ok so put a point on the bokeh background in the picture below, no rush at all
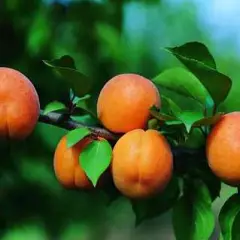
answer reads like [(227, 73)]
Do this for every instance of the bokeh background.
[(105, 38)]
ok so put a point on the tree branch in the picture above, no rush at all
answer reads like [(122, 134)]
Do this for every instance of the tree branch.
[(63, 121)]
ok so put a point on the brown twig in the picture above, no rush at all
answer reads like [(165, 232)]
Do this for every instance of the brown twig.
[(60, 120)]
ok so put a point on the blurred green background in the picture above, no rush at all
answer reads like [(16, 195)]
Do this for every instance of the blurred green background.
[(105, 38)]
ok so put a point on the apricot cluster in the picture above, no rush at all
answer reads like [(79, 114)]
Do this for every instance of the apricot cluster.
[(142, 161)]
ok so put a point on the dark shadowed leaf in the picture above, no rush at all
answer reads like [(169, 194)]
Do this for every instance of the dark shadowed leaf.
[(193, 218), (196, 57), (74, 136), (95, 159), (228, 217), (83, 103), (183, 82), (195, 139), (207, 121), (153, 207), (65, 67), (196, 51), (55, 106), (213, 183), (235, 227), (160, 116), (171, 107)]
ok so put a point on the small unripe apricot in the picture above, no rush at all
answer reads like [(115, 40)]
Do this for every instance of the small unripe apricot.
[(124, 102), (20, 107), (142, 163)]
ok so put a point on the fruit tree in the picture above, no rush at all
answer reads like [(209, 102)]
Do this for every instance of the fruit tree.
[(139, 142)]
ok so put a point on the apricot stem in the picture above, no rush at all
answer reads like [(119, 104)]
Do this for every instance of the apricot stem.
[(59, 120)]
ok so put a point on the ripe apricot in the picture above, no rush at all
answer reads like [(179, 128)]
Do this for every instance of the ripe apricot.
[(124, 102), (223, 148), (142, 163), (66, 165), (20, 107)]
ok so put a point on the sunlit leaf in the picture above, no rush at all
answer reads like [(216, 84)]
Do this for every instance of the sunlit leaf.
[(95, 159), (196, 119), (189, 118), (55, 106), (197, 58), (85, 119), (183, 82), (74, 136)]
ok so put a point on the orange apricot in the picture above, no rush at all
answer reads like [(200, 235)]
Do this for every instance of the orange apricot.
[(124, 102), (67, 168), (20, 107), (142, 163), (223, 149)]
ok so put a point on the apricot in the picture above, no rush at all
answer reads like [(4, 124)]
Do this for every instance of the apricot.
[(142, 163), (124, 102), (67, 168), (223, 148), (20, 107)]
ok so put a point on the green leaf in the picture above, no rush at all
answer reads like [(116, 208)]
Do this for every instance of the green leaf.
[(195, 139), (160, 116), (95, 159), (227, 216), (77, 100), (207, 121), (85, 119), (71, 94), (213, 183), (172, 108), (193, 218), (183, 82), (196, 119), (76, 135), (235, 227), (83, 103), (189, 118), (196, 51), (55, 106), (152, 207), (196, 57), (65, 67)]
